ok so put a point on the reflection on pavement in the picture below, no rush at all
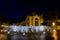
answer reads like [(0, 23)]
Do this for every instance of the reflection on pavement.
[(55, 34), (29, 36), (3, 37)]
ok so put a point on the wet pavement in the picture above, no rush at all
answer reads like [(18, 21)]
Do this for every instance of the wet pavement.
[(29, 36), (16, 37), (3, 37)]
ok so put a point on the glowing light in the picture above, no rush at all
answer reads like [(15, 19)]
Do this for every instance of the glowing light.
[(4, 26), (53, 23), (54, 30), (1, 30), (5, 30), (8, 32)]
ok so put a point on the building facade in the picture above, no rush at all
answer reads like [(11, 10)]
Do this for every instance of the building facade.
[(33, 20)]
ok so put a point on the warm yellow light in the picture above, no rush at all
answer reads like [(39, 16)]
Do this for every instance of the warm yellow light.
[(55, 34), (53, 23), (4, 26), (1, 30), (54, 30)]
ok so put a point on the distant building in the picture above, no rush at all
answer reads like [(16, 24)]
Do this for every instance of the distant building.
[(32, 20), (58, 23)]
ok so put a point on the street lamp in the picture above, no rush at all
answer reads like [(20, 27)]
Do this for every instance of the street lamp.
[(53, 23)]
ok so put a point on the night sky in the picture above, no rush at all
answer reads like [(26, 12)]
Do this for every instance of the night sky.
[(20, 9)]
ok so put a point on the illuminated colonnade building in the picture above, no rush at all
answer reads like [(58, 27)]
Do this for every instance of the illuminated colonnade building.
[(33, 20)]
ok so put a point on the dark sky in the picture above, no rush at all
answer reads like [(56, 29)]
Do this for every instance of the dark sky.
[(20, 9)]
